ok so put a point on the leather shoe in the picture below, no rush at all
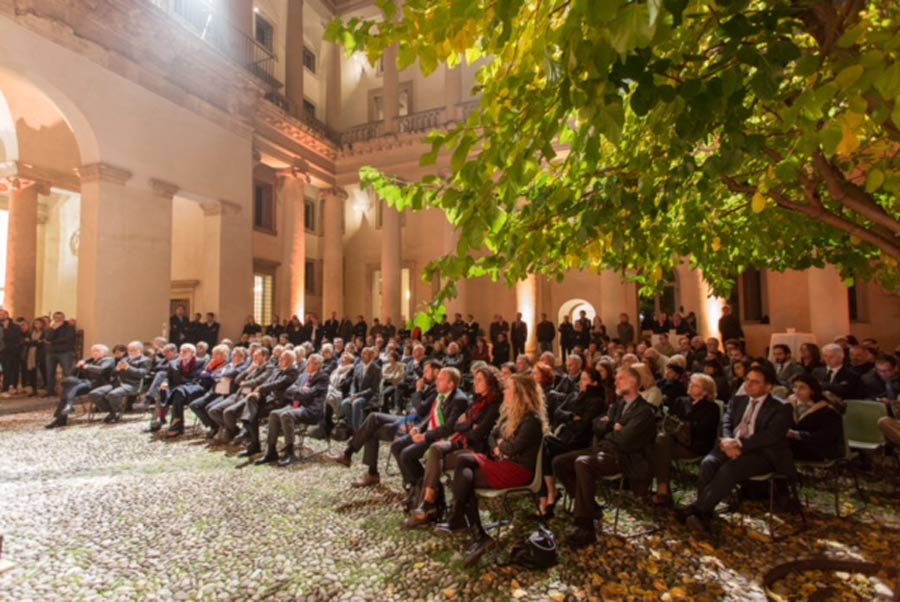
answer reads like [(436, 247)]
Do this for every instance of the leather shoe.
[(57, 422), (250, 451), (370, 480), (269, 458), (582, 538), (339, 459), (478, 549), (286, 460), (241, 437)]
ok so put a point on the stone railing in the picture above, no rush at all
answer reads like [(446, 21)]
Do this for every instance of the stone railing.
[(423, 121), (363, 132), (468, 107)]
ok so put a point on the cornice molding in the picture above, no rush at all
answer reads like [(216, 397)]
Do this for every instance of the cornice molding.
[(163, 189), (103, 172), (271, 116), (220, 207), (336, 192)]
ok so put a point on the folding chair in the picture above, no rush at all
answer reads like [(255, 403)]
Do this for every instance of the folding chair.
[(771, 478), (533, 489), (300, 434), (834, 469)]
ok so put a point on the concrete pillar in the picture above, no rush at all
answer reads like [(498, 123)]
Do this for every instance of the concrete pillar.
[(291, 187), (293, 55), (526, 304), (333, 253), (124, 258), (695, 294), (21, 247), (333, 88), (391, 90), (452, 92), (391, 263), (829, 311)]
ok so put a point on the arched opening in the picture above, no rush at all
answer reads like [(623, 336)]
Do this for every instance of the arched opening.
[(40, 201), (573, 308)]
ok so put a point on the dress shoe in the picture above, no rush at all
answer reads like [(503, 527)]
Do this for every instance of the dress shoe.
[(269, 458), (108, 418), (339, 459), (370, 480), (287, 459), (70, 409), (250, 451), (244, 435), (116, 417), (450, 528), (422, 515), (478, 549), (582, 538), (57, 422), (696, 524)]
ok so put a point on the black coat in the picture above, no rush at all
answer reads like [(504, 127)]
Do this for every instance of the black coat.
[(703, 418), (522, 447), (586, 406), (845, 384), (633, 444), (478, 426), (769, 438), (453, 406), (178, 329), (546, 331), (133, 376), (821, 436)]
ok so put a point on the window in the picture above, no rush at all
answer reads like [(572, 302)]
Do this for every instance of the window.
[(264, 32), (665, 301), (310, 276), (309, 59), (310, 215), (263, 293), (752, 292), (404, 102), (309, 109), (263, 207), (856, 302)]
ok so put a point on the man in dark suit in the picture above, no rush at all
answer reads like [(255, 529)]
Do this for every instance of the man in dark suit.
[(785, 368), (384, 427), (179, 326), (226, 412), (331, 326), (730, 325), (546, 332), (209, 330), (519, 335), (87, 375), (267, 396), (625, 443), (566, 336), (498, 326), (754, 442), (126, 380), (307, 407), (448, 406), (458, 328), (364, 388), (183, 385), (360, 329), (473, 329), (835, 377)]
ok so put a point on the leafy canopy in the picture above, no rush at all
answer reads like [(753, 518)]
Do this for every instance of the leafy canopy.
[(629, 134)]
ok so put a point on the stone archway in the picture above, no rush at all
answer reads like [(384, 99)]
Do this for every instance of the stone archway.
[(572, 307)]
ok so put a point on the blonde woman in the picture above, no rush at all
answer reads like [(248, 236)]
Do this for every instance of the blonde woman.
[(522, 426), (649, 390)]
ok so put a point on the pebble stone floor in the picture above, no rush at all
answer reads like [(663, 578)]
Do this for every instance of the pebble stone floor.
[(105, 512)]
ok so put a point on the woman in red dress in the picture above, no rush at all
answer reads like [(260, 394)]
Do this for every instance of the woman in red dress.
[(522, 426)]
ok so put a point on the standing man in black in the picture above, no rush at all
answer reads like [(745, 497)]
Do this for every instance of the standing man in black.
[(178, 326), (473, 329), (499, 326), (546, 332), (519, 336), (209, 330), (331, 326), (566, 337), (730, 325), (754, 442), (360, 329), (60, 338), (11, 351)]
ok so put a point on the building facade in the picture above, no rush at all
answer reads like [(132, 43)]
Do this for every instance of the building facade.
[(206, 152)]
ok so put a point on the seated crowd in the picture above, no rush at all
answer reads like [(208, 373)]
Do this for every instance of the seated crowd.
[(447, 402)]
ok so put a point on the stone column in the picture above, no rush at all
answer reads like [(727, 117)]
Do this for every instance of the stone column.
[(333, 253), (829, 307), (452, 92), (526, 304), (391, 91), (291, 187), (21, 247), (293, 55), (124, 257), (333, 87), (390, 264)]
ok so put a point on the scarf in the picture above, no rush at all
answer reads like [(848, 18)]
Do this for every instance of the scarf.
[(482, 403), (187, 368)]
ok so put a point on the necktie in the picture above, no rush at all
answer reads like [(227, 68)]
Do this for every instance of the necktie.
[(830, 375), (745, 428)]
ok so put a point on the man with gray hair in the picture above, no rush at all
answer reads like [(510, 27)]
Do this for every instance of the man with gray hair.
[(307, 407), (88, 374), (267, 396), (834, 376), (127, 378)]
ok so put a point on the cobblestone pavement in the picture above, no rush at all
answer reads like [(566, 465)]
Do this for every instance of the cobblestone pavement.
[(105, 512)]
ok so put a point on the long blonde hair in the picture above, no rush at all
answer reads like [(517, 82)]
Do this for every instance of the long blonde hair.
[(527, 398)]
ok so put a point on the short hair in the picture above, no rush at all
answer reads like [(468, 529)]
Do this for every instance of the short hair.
[(432, 363), (523, 357), (453, 373), (575, 358), (137, 344), (170, 347), (509, 366), (348, 358), (241, 351), (223, 349), (264, 351), (100, 347), (832, 347), (327, 348), (631, 371), (315, 358), (188, 347), (767, 373), (203, 344), (887, 358), (707, 382), (783, 347), (289, 354), (120, 348)]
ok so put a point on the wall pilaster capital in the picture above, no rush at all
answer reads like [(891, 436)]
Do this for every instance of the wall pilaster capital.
[(220, 207), (298, 171), (161, 188), (337, 192), (103, 172)]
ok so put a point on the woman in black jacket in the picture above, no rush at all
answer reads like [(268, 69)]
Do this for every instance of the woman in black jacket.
[(11, 353), (523, 423), (818, 433), (471, 433), (575, 417), (699, 416)]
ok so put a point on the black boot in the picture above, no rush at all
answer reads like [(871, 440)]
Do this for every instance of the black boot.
[(456, 521), (287, 458), (57, 422)]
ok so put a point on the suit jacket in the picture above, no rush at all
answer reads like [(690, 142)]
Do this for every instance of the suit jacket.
[(846, 383), (496, 328), (366, 380), (788, 372), (178, 377), (178, 329), (278, 382), (331, 329), (769, 438), (546, 331), (453, 406), (633, 445), (420, 402), (209, 333), (133, 376), (312, 393), (522, 447), (519, 331), (98, 372)]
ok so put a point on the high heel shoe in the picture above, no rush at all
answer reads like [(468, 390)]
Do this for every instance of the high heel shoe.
[(547, 514)]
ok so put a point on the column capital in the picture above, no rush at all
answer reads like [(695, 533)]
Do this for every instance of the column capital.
[(103, 172), (161, 188), (220, 207), (299, 171), (336, 192)]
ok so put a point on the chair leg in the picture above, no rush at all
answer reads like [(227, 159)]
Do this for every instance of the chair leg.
[(771, 509), (836, 486)]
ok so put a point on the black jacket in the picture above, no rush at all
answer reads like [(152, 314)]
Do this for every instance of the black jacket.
[(821, 436), (366, 380), (98, 372), (312, 393), (453, 406), (634, 443), (522, 447), (478, 426), (546, 331), (134, 375), (576, 434), (769, 438), (845, 384), (703, 418), (178, 329), (519, 332), (61, 339)]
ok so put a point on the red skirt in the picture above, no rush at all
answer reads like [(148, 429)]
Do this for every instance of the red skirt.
[(503, 474)]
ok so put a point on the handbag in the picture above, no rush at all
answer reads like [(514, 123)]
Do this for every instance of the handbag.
[(678, 429), (539, 551)]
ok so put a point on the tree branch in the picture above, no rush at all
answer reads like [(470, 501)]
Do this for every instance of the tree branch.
[(852, 196)]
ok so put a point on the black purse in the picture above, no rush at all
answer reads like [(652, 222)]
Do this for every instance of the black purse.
[(678, 429)]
